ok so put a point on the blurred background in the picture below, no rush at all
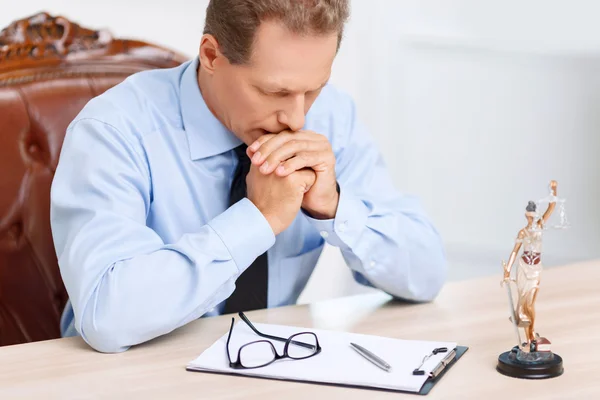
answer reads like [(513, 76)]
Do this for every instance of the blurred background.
[(476, 106)]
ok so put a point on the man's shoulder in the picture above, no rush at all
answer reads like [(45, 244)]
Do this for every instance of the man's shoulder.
[(137, 101), (332, 113), (333, 99)]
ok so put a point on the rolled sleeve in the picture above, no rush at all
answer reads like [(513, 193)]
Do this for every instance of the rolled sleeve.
[(244, 245)]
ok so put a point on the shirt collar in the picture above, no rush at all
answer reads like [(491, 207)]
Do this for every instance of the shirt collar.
[(206, 135)]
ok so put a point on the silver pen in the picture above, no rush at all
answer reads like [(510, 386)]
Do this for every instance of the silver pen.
[(371, 357)]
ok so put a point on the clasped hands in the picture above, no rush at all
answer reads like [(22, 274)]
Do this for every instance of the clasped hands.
[(292, 170)]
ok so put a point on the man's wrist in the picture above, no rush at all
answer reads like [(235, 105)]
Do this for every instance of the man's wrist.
[(247, 244), (274, 223), (327, 211)]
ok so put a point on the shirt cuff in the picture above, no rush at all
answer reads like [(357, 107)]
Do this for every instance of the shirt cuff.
[(245, 232), (344, 230)]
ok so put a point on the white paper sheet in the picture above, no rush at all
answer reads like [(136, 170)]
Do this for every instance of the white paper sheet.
[(338, 362)]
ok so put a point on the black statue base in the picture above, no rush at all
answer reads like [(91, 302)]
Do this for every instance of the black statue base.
[(535, 365)]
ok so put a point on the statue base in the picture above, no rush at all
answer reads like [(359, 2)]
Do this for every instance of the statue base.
[(530, 365)]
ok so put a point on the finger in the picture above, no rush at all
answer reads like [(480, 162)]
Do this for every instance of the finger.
[(251, 150), (317, 161), (315, 136), (308, 178), (290, 150), (274, 143)]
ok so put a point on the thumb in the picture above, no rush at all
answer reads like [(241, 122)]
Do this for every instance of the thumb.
[(308, 175), (307, 179)]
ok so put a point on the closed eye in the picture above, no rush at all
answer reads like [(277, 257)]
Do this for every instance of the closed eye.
[(285, 93)]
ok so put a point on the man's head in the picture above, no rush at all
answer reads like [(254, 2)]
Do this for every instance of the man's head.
[(263, 62)]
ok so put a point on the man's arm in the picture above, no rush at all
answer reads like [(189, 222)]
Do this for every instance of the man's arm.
[(385, 237), (126, 285)]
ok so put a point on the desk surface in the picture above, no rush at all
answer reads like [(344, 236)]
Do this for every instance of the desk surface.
[(473, 313)]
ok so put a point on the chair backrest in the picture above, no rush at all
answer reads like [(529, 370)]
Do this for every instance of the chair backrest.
[(49, 69)]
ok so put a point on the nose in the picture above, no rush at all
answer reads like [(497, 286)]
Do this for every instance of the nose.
[(293, 115)]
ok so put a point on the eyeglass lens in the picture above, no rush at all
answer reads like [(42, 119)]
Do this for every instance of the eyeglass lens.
[(299, 352), (260, 353), (257, 354)]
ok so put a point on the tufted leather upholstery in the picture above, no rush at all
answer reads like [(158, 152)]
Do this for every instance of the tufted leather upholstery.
[(49, 69)]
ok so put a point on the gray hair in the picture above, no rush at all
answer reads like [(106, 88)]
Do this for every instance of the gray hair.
[(234, 22)]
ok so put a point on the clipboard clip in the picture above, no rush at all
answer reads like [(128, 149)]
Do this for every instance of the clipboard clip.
[(441, 365)]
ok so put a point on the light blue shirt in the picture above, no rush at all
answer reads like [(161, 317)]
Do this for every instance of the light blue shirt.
[(146, 242)]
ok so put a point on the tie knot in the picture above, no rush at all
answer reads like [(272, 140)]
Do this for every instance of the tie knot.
[(238, 185), (243, 158), (241, 149)]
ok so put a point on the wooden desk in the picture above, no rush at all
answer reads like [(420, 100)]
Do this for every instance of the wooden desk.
[(472, 313)]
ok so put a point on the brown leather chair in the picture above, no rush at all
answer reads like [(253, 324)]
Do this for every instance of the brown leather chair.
[(49, 69)]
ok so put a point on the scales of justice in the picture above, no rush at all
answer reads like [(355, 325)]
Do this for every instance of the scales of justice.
[(532, 357)]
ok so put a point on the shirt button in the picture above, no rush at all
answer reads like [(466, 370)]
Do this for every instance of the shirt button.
[(324, 234), (343, 226), (372, 263)]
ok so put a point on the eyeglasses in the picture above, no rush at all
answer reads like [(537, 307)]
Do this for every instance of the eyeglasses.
[(261, 353)]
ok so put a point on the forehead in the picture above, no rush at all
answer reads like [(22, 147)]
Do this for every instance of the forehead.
[(286, 57)]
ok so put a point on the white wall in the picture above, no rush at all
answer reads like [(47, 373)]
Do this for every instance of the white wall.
[(476, 106)]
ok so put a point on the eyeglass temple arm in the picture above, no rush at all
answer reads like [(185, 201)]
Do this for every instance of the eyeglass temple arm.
[(228, 339), (247, 321)]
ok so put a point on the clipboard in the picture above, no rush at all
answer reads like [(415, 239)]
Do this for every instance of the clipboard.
[(425, 389), (338, 364)]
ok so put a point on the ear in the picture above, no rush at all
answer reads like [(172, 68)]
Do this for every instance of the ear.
[(209, 53)]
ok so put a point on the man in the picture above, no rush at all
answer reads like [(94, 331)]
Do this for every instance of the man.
[(212, 187)]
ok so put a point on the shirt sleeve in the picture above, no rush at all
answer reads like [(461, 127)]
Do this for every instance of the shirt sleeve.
[(385, 236), (125, 284)]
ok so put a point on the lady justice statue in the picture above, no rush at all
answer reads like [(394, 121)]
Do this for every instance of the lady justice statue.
[(530, 359)]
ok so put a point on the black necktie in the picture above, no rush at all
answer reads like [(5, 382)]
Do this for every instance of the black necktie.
[(251, 286)]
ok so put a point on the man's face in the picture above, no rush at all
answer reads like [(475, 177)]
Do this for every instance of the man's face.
[(275, 90)]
